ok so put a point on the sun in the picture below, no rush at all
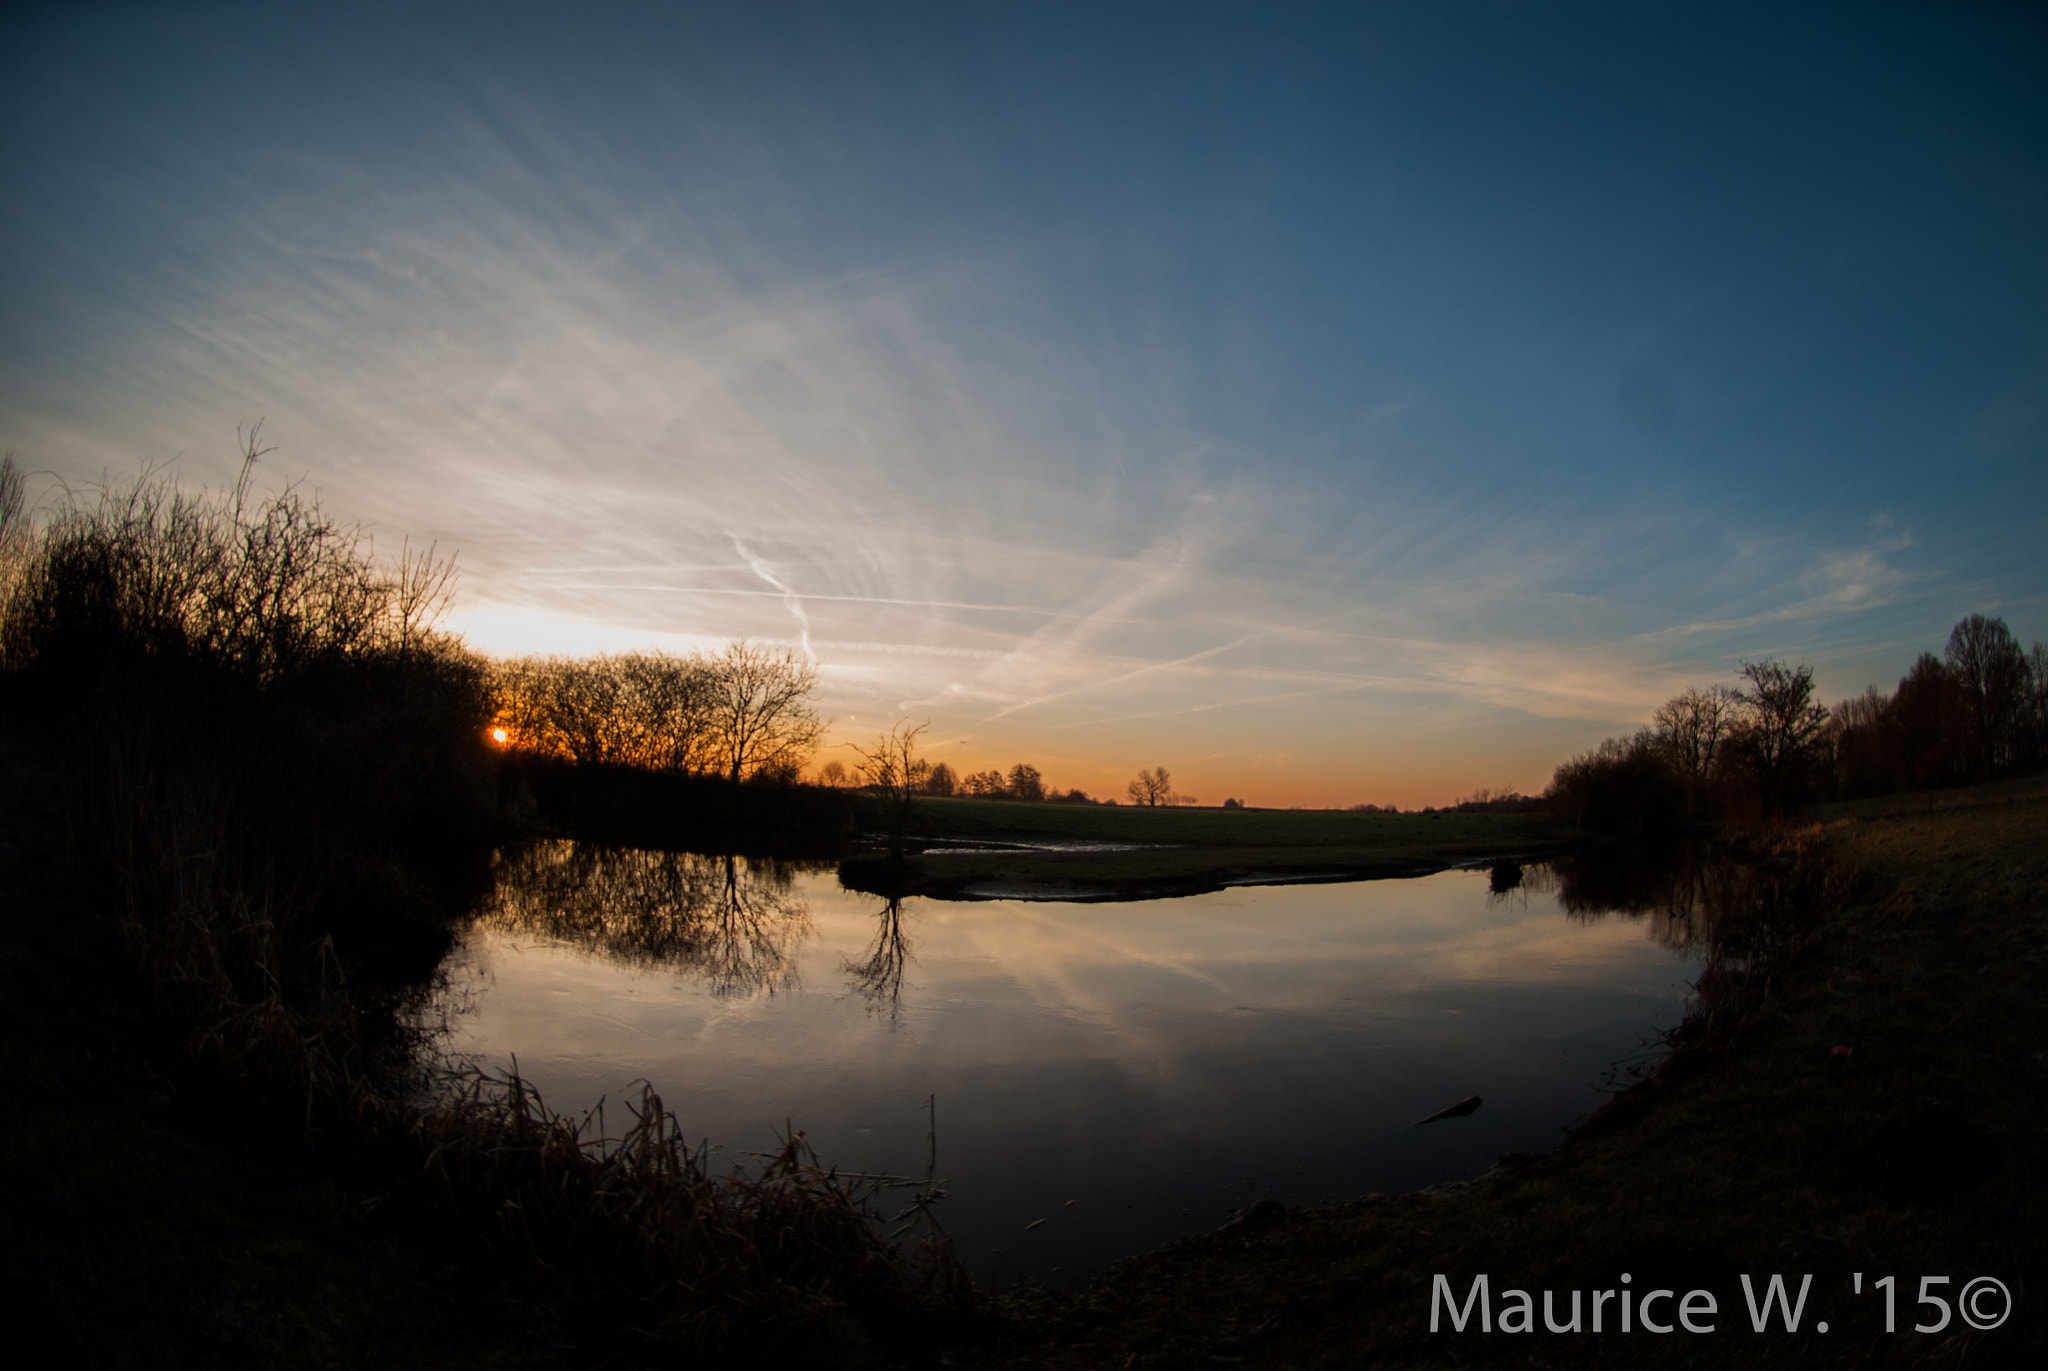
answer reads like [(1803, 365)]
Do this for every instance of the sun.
[(497, 735)]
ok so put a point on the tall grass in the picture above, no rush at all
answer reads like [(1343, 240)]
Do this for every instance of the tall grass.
[(274, 735)]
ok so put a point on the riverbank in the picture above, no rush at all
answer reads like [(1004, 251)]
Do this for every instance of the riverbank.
[(1001, 850), (1884, 1110)]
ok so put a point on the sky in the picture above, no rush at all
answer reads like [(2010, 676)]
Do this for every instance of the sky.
[(1332, 404)]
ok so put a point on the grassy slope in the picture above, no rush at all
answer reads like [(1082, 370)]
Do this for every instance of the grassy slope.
[(1922, 1154)]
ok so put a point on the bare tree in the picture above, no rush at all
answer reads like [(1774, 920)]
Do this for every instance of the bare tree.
[(421, 588), (1692, 727), (759, 711), (1782, 729), (986, 785), (1990, 670), (833, 773), (941, 781), (896, 775), (1154, 787)]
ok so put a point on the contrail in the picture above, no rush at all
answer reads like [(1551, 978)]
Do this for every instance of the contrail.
[(789, 597)]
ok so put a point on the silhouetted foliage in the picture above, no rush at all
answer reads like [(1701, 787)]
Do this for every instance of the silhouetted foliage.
[(1780, 737), (1025, 782), (1765, 751), (941, 780), (1693, 728), (1624, 786), (1991, 677)]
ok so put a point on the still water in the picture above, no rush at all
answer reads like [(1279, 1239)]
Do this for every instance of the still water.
[(1123, 1072)]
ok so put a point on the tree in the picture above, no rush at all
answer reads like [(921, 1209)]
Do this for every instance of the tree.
[(1691, 729), (1869, 757), (1991, 673), (986, 785), (896, 775), (833, 773), (1927, 712), (1782, 731), (1154, 787), (1026, 783), (635, 709), (1623, 786), (758, 711), (941, 781)]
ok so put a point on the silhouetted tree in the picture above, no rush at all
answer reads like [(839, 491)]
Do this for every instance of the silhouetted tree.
[(2035, 715), (1154, 787), (1927, 711), (896, 776), (1692, 728), (1624, 786), (1990, 674), (986, 785), (1025, 782), (1870, 755), (1782, 733), (758, 711), (941, 781)]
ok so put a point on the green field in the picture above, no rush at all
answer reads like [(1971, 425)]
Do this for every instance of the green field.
[(997, 819), (1182, 850)]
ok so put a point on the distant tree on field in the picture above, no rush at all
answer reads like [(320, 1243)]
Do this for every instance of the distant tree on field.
[(941, 781), (1154, 787), (1233, 804), (986, 785), (1025, 782), (896, 775), (833, 773)]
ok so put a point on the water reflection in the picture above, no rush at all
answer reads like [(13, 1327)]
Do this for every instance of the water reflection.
[(1676, 889), (878, 976), (1108, 1075), (736, 922)]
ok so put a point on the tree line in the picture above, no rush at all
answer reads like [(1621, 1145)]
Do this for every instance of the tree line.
[(1766, 747), (743, 714)]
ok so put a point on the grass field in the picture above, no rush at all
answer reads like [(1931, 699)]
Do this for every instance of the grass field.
[(1181, 851), (1918, 1153), (948, 818)]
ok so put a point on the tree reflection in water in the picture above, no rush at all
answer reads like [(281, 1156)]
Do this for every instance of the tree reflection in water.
[(1668, 885), (878, 977), (735, 921)]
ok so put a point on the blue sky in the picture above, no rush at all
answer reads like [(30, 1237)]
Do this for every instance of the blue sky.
[(1330, 403)]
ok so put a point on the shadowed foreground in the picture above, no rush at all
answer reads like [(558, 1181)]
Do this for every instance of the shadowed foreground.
[(1913, 939)]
